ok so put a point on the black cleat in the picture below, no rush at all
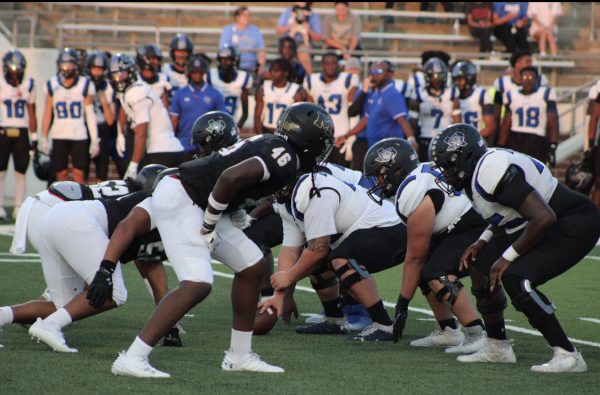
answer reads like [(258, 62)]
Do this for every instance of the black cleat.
[(172, 339), (327, 327)]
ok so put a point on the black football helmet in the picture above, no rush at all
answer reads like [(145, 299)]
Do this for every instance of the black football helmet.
[(67, 63), (146, 177), (579, 176), (466, 69), (388, 161), (455, 152), (180, 42), (436, 74), (228, 52), (145, 53), (213, 131), (309, 130), (163, 174), (122, 72), (96, 59), (42, 165), (13, 66)]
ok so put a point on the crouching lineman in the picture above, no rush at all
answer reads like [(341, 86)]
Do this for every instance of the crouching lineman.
[(440, 227), (538, 229)]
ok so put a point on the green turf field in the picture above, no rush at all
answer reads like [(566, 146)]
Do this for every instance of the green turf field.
[(314, 364)]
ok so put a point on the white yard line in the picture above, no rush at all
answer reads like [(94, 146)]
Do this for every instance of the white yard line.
[(588, 319)]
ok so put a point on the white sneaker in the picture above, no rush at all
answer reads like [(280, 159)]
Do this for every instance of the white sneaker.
[(494, 350), (438, 338), (471, 345), (52, 337), (249, 362), (562, 361), (135, 367)]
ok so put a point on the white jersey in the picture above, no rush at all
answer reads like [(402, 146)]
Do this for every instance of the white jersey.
[(142, 105), (435, 113), (109, 94), (405, 88), (333, 97), (489, 171), (68, 108), (231, 91), (160, 85), (471, 108), (505, 83), (14, 101), (275, 100), (413, 189), (341, 209), (176, 79), (529, 112)]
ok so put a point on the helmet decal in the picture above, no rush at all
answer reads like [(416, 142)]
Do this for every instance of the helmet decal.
[(456, 141)]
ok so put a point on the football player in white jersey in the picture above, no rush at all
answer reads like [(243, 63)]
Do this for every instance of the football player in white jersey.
[(17, 117), (234, 84), (538, 229), (69, 110), (180, 50), (475, 102), (148, 59), (154, 140), (440, 227), (433, 106), (275, 95), (334, 91), (530, 122)]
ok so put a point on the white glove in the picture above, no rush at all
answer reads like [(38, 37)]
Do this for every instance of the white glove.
[(209, 239), (94, 148), (241, 220), (346, 148), (43, 146), (121, 144), (131, 171)]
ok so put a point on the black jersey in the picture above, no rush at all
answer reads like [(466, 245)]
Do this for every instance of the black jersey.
[(111, 189), (118, 209), (146, 248), (199, 176)]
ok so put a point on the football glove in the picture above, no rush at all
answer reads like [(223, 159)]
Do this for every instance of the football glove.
[(400, 318), (101, 288), (172, 338), (207, 232)]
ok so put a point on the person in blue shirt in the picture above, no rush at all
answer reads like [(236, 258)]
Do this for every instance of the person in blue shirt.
[(511, 25), (386, 111), (245, 37), (192, 101), (304, 26)]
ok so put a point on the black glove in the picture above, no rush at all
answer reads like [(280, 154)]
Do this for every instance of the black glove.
[(101, 288), (172, 339), (552, 155), (33, 145), (400, 317)]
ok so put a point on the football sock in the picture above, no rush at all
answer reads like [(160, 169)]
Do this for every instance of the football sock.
[(496, 330), (553, 333), (447, 323), (379, 315), (2, 177), (241, 342), (19, 188), (59, 319), (333, 308), (139, 349), (474, 328), (6, 316)]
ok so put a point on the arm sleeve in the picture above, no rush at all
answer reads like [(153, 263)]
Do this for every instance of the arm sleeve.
[(357, 104), (319, 219), (512, 188)]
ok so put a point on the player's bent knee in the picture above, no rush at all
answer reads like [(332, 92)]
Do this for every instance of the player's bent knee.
[(449, 291), (530, 301), (350, 274)]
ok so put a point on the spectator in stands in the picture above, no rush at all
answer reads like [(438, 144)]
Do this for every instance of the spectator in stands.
[(543, 24), (288, 50), (304, 26), (193, 101), (342, 30), (479, 20), (247, 39), (510, 25)]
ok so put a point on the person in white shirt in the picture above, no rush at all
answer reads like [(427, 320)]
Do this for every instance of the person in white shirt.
[(543, 17)]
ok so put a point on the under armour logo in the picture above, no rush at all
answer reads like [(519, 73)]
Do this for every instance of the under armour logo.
[(386, 155), (324, 123), (216, 127), (456, 141)]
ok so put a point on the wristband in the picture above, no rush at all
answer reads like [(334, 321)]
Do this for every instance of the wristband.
[(456, 112), (411, 139), (108, 266), (486, 235), (211, 219), (510, 254), (216, 205)]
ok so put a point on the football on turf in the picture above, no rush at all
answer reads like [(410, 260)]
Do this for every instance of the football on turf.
[(263, 323)]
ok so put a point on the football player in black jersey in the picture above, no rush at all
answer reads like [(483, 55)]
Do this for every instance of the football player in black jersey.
[(205, 192)]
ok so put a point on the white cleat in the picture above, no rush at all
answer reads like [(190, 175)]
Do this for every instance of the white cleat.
[(135, 367), (494, 350), (250, 362), (471, 345), (562, 361), (52, 337), (447, 338)]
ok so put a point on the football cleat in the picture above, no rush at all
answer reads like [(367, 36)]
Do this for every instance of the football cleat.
[(249, 362), (172, 338), (330, 326), (471, 345), (494, 350), (357, 317), (50, 336), (315, 318), (135, 367), (441, 338), (562, 361), (375, 333)]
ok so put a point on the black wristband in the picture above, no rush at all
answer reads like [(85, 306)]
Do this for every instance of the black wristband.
[(108, 266), (402, 303), (208, 227)]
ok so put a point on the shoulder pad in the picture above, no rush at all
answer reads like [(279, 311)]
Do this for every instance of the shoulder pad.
[(137, 92), (301, 193), (69, 190), (492, 169)]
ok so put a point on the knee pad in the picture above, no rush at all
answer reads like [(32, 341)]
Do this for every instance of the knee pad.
[(356, 277), (450, 288), (489, 302), (532, 301), (318, 282)]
